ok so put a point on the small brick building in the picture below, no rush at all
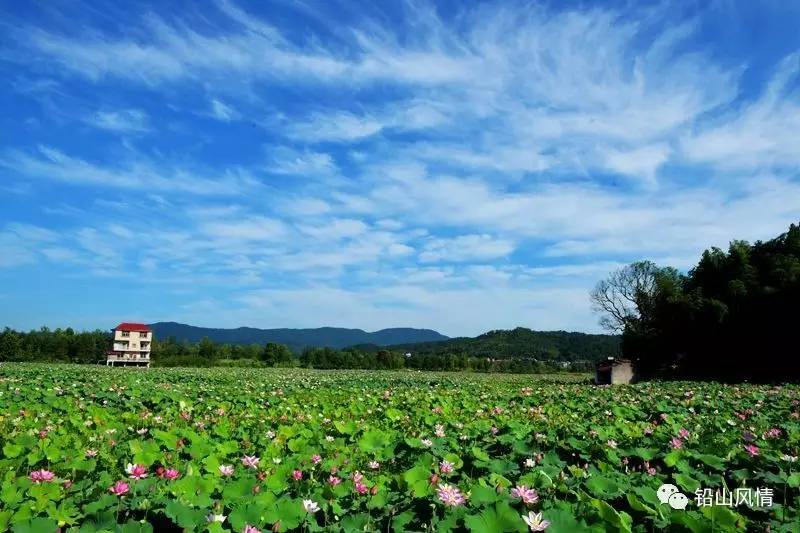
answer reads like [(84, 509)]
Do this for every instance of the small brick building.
[(614, 372)]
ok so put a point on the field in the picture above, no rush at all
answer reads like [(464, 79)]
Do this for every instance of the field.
[(90, 449)]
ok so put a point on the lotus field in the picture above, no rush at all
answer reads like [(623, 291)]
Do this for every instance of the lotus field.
[(98, 449)]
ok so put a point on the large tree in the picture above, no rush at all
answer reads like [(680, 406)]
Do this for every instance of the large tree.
[(627, 297)]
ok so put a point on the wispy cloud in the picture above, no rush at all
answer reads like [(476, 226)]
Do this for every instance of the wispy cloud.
[(222, 111), (285, 160), (465, 248), (759, 134), (48, 163), (124, 120)]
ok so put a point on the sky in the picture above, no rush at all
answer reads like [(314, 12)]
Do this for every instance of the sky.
[(460, 166)]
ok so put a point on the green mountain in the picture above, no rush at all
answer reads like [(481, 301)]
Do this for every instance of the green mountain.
[(296, 339), (518, 343)]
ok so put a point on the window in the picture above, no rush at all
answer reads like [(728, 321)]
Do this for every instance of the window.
[(126, 333)]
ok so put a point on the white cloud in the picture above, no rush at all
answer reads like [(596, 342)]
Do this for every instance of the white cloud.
[(21, 243), (639, 162), (336, 126), (340, 228), (122, 121), (142, 174), (222, 111), (465, 248), (285, 160), (762, 134), (256, 228)]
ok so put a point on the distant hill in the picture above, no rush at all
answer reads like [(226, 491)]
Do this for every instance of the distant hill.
[(296, 339), (519, 343)]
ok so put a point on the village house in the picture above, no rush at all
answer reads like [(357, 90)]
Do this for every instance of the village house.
[(131, 345), (614, 372)]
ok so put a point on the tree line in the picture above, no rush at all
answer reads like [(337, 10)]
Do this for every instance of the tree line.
[(354, 358), (731, 317), (68, 346)]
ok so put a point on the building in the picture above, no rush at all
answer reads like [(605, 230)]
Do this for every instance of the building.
[(614, 372), (131, 345)]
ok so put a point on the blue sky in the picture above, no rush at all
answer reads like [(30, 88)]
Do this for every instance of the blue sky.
[(459, 166)]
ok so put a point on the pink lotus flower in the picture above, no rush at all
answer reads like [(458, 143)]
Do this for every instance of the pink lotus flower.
[(250, 529), (676, 443), (683, 433), (611, 443), (450, 496), (333, 480), (773, 433), (357, 477), (91, 453), (226, 470), (525, 494), (41, 476), (316, 459), (752, 449), (360, 488), (170, 474), (297, 475), (495, 431), (136, 471), (648, 430), (250, 461), (119, 488), (445, 467), (374, 465)]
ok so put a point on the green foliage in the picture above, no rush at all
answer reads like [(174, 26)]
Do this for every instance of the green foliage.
[(395, 429), (733, 317)]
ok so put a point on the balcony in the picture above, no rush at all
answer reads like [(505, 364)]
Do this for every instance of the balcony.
[(127, 357)]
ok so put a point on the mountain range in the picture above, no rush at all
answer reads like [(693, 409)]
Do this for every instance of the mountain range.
[(296, 339), (503, 344), (519, 343)]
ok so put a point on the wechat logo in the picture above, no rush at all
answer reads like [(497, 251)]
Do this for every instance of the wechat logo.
[(670, 494)]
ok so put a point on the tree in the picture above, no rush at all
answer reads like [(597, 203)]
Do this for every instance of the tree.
[(275, 354), (206, 349), (627, 297)]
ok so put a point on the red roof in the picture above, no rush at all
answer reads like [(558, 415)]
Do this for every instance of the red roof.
[(132, 326)]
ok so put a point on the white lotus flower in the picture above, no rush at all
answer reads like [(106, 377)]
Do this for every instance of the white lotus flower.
[(535, 521), (310, 506)]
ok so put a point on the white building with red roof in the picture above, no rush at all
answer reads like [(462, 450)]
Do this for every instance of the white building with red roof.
[(132, 343)]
